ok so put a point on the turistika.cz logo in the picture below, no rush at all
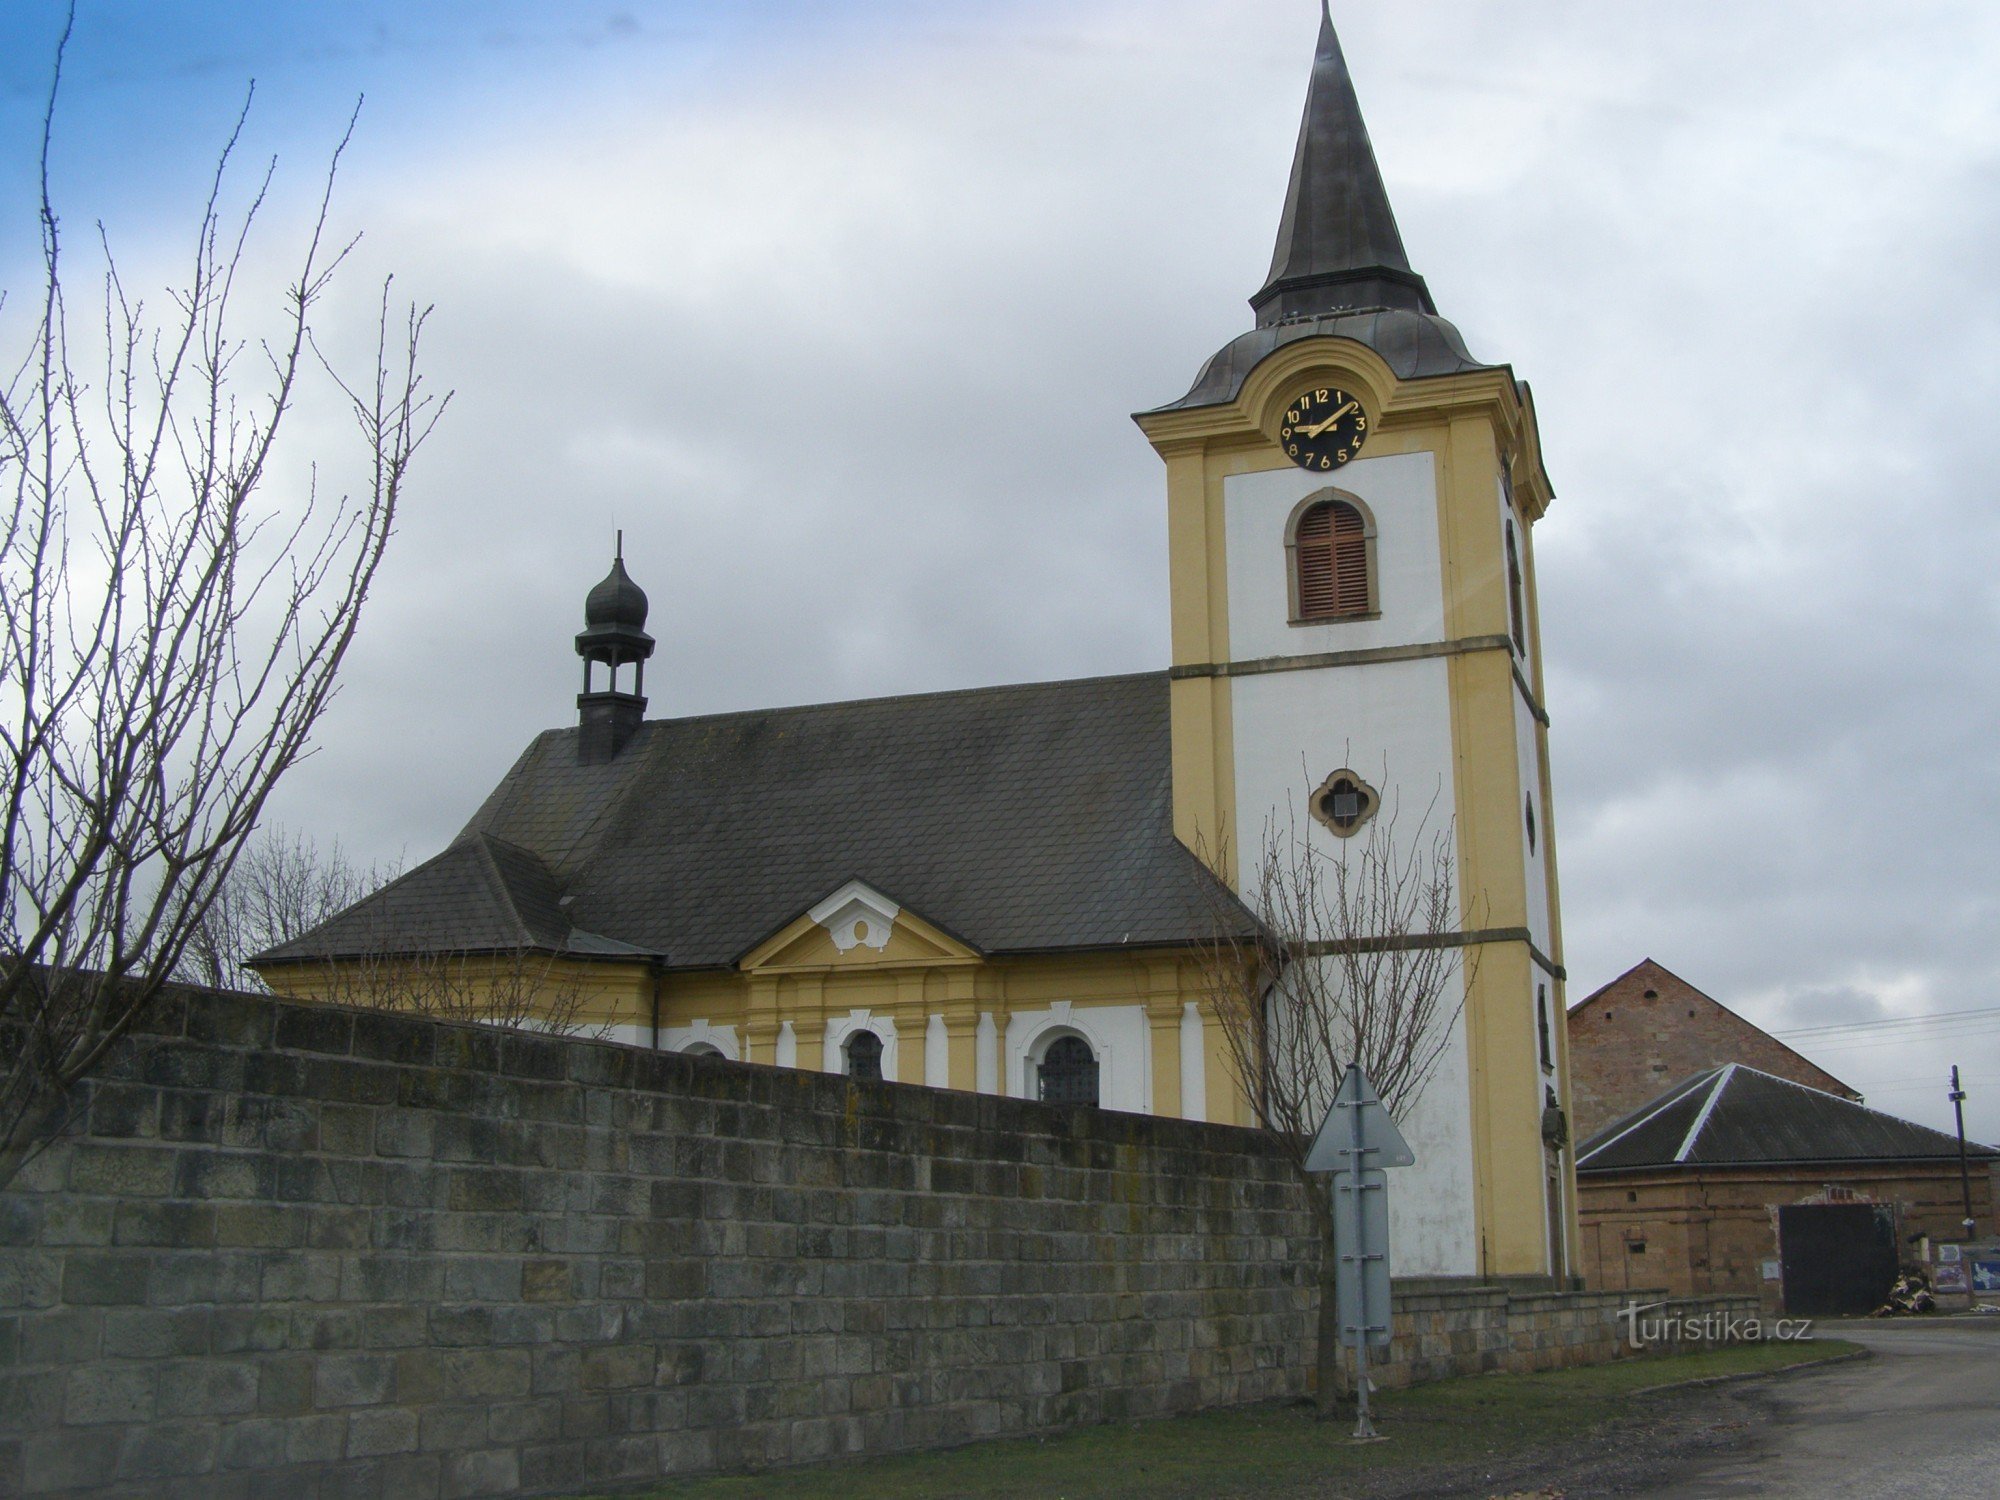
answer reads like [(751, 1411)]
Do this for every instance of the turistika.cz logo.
[(1706, 1328)]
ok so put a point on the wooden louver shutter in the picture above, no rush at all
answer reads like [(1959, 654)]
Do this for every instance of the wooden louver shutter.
[(1332, 546)]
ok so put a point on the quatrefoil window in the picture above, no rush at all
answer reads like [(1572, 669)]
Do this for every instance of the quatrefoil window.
[(1343, 802)]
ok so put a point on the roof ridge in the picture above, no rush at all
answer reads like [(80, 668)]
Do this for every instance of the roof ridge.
[(1646, 1113), (932, 694), (497, 881), (1708, 1108)]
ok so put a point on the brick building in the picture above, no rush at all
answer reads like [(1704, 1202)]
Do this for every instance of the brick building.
[(1735, 1174), (1650, 1028)]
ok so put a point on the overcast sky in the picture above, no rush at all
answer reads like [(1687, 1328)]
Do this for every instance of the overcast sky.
[(839, 310)]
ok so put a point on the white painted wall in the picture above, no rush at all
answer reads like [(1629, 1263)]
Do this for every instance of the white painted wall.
[(1400, 491), (839, 1029), (937, 1054), (1117, 1034), (1432, 1211), (1389, 721), (1194, 1063)]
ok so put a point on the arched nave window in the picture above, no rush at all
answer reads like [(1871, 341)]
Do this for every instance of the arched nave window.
[(1068, 1074), (1331, 542), (864, 1056)]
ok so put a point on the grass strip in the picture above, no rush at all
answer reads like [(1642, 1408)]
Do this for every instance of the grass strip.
[(1266, 1449)]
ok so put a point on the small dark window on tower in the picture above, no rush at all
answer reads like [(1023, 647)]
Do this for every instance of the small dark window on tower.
[(1515, 617), (864, 1056), (1542, 1025), (1068, 1074), (1635, 1247), (1531, 823), (1333, 555)]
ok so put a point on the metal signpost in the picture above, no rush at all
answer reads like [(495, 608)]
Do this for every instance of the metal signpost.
[(1356, 1141)]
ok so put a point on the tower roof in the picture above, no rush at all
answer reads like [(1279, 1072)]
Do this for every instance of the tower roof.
[(614, 617), (1339, 269), (1338, 245)]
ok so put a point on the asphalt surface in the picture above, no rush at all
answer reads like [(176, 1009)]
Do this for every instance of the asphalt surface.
[(1920, 1419)]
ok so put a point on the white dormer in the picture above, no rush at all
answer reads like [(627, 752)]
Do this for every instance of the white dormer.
[(857, 915)]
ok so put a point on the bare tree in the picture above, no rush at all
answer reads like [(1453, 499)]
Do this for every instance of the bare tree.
[(281, 887), (1353, 958), (170, 631)]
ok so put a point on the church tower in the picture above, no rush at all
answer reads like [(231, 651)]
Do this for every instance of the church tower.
[(1351, 497)]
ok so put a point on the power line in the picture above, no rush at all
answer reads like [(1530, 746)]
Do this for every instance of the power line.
[(1923, 1020)]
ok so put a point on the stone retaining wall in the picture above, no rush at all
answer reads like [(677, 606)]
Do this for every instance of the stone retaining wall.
[(306, 1251), (1445, 1326), (298, 1250)]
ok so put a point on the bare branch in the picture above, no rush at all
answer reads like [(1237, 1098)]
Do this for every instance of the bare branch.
[(171, 631)]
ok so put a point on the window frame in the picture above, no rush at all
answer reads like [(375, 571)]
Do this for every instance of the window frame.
[(1328, 495)]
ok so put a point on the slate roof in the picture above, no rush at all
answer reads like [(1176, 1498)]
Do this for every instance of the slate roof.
[(1735, 1116), (1338, 268), (1019, 819), (482, 895)]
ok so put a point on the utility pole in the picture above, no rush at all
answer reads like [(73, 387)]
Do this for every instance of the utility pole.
[(1964, 1178)]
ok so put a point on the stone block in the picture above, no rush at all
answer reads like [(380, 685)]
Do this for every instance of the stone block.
[(167, 1450), (353, 1380), (495, 1471), (123, 1170), (546, 1281), (255, 1444), (374, 1433), (30, 1401), (319, 1439), (105, 1280), (104, 1392), (284, 1385), (259, 1226), (54, 1462), (449, 1428), (156, 1334), (78, 1221), (314, 1028)]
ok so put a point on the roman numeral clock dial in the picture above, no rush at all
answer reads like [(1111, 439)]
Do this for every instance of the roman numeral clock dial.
[(1323, 428)]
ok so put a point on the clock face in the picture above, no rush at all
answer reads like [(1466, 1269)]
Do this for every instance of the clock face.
[(1323, 428)]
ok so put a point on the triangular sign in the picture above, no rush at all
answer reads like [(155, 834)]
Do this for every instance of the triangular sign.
[(1380, 1143)]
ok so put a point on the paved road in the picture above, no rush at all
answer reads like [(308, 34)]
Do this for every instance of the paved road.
[(1920, 1419)]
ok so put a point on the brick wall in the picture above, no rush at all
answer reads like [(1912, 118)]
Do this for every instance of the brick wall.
[(1711, 1230), (306, 1250), (1647, 1030)]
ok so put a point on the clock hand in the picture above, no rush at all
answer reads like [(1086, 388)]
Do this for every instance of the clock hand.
[(1313, 432)]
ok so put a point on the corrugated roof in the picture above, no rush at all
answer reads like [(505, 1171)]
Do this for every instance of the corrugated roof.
[(1022, 818), (1736, 1116)]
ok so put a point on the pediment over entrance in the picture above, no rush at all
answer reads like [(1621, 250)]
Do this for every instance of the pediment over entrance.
[(856, 926)]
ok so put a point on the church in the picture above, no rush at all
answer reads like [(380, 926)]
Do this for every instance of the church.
[(1009, 889)]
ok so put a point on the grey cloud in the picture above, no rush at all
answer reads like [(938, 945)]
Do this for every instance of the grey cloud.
[(881, 443)]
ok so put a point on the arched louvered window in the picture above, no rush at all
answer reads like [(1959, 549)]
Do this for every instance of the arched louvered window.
[(1332, 547), (1516, 616), (1068, 1074), (864, 1056)]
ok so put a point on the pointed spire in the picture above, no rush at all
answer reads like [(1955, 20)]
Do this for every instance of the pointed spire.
[(1338, 245)]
